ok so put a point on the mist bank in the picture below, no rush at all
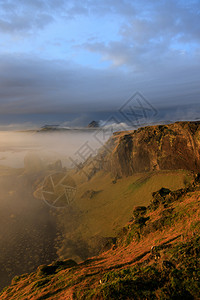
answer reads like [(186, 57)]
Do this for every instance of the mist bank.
[(48, 146), (21, 134), (29, 229)]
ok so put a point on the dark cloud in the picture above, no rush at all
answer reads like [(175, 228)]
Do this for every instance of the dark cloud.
[(33, 85)]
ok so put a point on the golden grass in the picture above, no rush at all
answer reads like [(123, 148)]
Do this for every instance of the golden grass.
[(111, 208)]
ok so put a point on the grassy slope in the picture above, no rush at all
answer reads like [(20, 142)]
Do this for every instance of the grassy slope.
[(108, 210), (102, 208), (131, 270)]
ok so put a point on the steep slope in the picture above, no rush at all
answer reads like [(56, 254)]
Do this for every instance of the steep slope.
[(101, 208), (155, 256), (160, 147)]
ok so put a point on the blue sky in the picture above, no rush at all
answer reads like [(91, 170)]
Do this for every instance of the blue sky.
[(80, 56)]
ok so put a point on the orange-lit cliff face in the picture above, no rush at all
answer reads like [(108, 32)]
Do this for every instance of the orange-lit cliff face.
[(160, 147)]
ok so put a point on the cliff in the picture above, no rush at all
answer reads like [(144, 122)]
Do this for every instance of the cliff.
[(160, 147)]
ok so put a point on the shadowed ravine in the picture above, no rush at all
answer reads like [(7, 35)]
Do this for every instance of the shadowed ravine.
[(27, 229)]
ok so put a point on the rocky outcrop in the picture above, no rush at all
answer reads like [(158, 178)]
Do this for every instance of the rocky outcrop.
[(93, 124), (165, 147), (160, 147)]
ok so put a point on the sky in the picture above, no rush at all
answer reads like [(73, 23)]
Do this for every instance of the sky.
[(71, 59)]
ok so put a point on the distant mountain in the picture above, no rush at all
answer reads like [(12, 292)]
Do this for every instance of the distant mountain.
[(93, 124), (47, 128)]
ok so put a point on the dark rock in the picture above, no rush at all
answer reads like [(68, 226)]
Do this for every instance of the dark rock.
[(46, 270), (167, 264), (139, 210), (142, 221), (64, 264), (93, 124), (197, 178), (56, 266), (159, 197)]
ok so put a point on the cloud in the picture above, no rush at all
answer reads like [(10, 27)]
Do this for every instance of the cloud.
[(25, 23), (34, 85), (155, 48), (24, 16), (161, 34), (99, 8), (31, 85)]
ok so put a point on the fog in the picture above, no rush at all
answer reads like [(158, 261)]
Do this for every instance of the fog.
[(48, 146), (29, 229)]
